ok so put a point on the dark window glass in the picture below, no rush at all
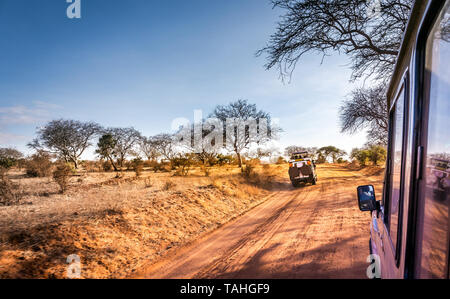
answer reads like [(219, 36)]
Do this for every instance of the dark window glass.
[(436, 180), (396, 167)]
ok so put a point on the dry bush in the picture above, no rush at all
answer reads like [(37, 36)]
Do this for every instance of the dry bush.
[(206, 171), (148, 183), (148, 163), (281, 160), (128, 165), (107, 167), (254, 161), (138, 166), (183, 165), (168, 185), (91, 166), (10, 193), (263, 179), (39, 165), (222, 160), (216, 183), (62, 176), (156, 166), (248, 171)]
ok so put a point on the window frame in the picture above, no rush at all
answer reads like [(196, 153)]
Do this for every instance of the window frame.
[(403, 88)]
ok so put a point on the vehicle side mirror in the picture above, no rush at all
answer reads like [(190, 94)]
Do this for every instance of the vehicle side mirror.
[(366, 198)]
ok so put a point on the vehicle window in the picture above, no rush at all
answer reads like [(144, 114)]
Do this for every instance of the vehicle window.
[(397, 124), (436, 181)]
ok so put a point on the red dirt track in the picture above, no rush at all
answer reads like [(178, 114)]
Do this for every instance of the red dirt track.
[(309, 232)]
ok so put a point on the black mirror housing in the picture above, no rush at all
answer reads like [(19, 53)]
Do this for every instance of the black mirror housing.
[(366, 198)]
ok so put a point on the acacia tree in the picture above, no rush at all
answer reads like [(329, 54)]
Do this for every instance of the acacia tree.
[(331, 151), (148, 148), (288, 151), (377, 154), (369, 32), (312, 151), (66, 138), (106, 149), (267, 152), (165, 146), (366, 109), (125, 140), (371, 38), (9, 157), (373, 153), (244, 125)]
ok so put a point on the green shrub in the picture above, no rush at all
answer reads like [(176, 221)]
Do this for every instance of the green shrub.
[(372, 153), (377, 154), (9, 157), (361, 155)]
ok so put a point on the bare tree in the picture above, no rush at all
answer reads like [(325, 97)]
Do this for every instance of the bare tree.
[(125, 140), (165, 146), (148, 148), (371, 38), (261, 153), (367, 108), (66, 138), (293, 149), (369, 32), (244, 124), (312, 151)]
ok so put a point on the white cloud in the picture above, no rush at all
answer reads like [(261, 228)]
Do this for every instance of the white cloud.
[(45, 105), (15, 115), (8, 139)]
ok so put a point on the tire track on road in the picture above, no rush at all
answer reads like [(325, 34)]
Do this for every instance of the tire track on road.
[(296, 233), (261, 234)]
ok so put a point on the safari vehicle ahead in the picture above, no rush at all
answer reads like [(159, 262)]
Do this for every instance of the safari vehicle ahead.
[(302, 169), (410, 228)]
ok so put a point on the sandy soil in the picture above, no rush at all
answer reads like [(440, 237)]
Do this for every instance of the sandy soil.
[(117, 225), (220, 226), (310, 232)]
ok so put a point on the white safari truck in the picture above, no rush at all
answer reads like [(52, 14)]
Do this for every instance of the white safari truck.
[(410, 227), (302, 169)]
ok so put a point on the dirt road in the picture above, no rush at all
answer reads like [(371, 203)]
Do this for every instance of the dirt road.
[(309, 232)]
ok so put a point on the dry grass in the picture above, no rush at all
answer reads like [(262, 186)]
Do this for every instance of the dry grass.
[(117, 224)]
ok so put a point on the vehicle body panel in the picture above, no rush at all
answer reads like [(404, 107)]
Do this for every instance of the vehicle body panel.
[(403, 234)]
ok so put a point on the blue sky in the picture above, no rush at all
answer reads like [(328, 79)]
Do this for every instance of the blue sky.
[(143, 63)]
